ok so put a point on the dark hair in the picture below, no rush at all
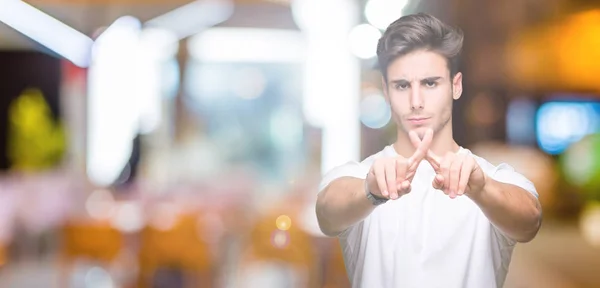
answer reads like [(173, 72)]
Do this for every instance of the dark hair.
[(419, 31)]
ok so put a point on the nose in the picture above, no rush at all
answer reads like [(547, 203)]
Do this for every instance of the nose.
[(416, 101)]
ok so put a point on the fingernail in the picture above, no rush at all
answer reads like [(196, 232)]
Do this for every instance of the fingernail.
[(384, 193)]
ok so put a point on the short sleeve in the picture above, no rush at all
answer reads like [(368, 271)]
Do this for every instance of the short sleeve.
[(507, 174), (350, 169)]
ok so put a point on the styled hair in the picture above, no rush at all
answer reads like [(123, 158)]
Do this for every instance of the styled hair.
[(416, 32)]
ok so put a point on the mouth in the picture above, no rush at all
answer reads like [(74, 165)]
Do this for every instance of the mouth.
[(418, 120)]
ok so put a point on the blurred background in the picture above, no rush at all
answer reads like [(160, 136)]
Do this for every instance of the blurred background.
[(155, 143)]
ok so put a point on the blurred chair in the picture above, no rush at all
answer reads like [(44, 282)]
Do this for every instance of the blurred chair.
[(95, 241), (3, 256), (279, 250), (176, 248)]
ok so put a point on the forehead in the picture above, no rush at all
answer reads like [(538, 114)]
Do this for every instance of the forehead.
[(418, 64)]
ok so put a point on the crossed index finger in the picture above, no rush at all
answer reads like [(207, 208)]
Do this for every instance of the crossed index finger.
[(434, 160), (423, 151), (421, 145)]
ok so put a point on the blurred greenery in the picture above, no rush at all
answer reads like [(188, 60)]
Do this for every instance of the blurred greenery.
[(35, 141)]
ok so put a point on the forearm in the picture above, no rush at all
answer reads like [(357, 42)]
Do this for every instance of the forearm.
[(342, 204), (511, 209)]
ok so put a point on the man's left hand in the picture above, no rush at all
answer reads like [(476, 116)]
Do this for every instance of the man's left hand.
[(456, 173)]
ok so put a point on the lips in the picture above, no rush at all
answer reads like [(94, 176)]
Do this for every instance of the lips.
[(418, 120)]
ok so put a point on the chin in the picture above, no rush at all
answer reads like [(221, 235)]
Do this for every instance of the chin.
[(421, 129)]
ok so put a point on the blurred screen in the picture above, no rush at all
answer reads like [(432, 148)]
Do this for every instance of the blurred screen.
[(562, 123)]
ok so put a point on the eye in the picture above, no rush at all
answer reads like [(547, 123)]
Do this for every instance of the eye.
[(430, 84), (402, 86)]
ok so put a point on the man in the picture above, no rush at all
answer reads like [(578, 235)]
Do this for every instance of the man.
[(425, 212)]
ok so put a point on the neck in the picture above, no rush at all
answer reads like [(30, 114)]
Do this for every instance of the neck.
[(443, 142)]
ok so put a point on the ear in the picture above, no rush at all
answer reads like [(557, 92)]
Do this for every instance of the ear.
[(457, 86), (384, 87)]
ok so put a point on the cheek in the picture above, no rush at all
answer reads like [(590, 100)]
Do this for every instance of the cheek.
[(438, 102), (398, 104)]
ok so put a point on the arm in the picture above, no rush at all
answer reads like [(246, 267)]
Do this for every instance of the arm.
[(342, 204), (512, 209)]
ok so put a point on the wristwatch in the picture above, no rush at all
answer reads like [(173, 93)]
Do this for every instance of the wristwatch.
[(374, 199)]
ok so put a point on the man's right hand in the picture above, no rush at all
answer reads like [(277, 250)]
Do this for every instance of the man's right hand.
[(390, 177)]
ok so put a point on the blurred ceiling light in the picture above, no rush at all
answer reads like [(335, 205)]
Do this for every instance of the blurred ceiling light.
[(248, 45), (327, 104), (363, 41), (46, 30), (113, 119), (381, 13), (156, 47), (194, 17), (317, 14), (159, 43)]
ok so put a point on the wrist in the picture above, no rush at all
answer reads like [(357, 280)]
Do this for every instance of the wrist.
[(481, 193), (374, 199)]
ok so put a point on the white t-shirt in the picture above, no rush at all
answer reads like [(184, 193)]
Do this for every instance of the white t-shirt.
[(425, 239)]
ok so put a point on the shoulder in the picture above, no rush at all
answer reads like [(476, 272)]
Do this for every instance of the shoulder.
[(352, 169), (505, 173)]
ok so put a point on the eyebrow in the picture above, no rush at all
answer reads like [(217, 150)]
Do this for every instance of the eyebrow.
[(428, 79)]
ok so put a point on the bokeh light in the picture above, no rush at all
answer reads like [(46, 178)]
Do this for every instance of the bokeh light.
[(283, 222), (375, 112), (559, 124), (589, 223), (250, 83), (128, 217), (581, 165), (381, 13), (363, 41), (100, 204), (280, 239)]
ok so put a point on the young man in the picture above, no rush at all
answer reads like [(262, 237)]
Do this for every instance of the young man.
[(425, 212)]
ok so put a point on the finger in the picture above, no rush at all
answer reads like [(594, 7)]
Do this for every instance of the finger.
[(465, 175), (407, 182), (445, 170), (390, 177), (414, 139), (380, 177), (401, 170), (422, 146), (405, 187), (434, 160), (410, 175), (455, 169), (438, 182)]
